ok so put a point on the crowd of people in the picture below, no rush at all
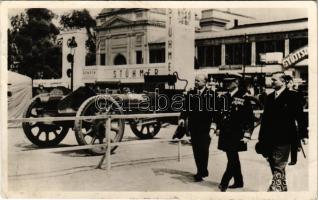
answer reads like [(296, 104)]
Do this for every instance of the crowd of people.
[(283, 127)]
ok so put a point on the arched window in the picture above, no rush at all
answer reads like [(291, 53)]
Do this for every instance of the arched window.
[(120, 60)]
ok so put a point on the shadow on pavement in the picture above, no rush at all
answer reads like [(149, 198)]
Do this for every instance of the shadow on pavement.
[(30, 147), (53, 173), (182, 176)]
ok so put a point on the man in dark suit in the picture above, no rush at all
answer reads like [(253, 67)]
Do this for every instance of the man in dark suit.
[(236, 123), (278, 129), (199, 112)]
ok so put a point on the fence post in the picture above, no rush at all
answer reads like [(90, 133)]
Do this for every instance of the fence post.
[(179, 151), (108, 147), (107, 129)]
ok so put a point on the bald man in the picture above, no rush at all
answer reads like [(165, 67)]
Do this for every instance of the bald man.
[(199, 112)]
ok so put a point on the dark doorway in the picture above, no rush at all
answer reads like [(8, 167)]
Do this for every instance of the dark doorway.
[(139, 59), (120, 60)]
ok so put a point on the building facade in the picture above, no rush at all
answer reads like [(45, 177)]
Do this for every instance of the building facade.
[(131, 36), (224, 41), (243, 46)]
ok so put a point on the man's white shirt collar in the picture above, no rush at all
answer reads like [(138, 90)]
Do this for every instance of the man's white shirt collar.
[(278, 92), (201, 91), (233, 92)]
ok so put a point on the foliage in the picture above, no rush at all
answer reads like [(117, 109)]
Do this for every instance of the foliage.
[(82, 19), (31, 44), (78, 19)]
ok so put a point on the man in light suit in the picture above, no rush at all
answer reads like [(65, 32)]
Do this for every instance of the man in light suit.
[(278, 129)]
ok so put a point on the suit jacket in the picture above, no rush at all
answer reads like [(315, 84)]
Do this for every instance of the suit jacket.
[(278, 125), (199, 110), (234, 119)]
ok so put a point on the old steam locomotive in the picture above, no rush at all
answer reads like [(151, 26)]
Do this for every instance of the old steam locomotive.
[(120, 89)]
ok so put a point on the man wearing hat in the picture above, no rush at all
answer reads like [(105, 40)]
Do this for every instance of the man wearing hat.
[(199, 112), (278, 129), (236, 123)]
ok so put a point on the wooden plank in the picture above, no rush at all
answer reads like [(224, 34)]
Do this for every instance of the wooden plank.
[(107, 154), (82, 147), (145, 141), (154, 115), (179, 151), (50, 119), (129, 116), (61, 149)]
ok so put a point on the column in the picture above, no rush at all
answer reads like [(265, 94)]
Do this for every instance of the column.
[(196, 51), (145, 49), (223, 54), (253, 53), (132, 50), (108, 51), (102, 48), (128, 50), (97, 56), (286, 47)]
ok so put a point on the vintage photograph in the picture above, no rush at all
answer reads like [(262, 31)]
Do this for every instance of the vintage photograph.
[(159, 99)]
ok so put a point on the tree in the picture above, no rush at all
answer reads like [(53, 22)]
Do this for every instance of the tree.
[(82, 19), (14, 58), (31, 44)]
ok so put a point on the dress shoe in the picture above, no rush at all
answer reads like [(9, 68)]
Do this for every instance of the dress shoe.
[(222, 188), (292, 163), (236, 185), (197, 178), (206, 174)]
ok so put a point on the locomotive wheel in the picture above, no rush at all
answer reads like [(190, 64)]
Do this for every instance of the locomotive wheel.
[(145, 128), (92, 131), (42, 134)]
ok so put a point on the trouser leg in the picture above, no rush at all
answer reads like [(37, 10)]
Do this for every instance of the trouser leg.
[(205, 155), (278, 160), (228, 174), (293, 153), (200, 147), (238, 178), (195, 148)]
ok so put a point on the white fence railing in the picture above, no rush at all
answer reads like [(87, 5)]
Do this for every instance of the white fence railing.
[(108, 143)]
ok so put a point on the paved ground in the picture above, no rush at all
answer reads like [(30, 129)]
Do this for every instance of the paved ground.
[(146, 167)]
